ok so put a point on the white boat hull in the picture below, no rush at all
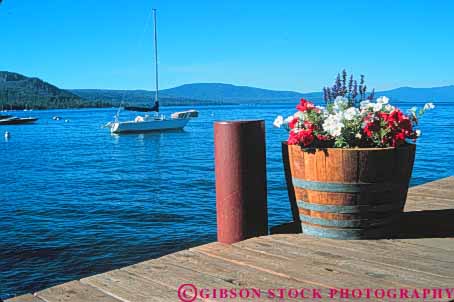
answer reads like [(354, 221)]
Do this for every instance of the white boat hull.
[(147, 126)]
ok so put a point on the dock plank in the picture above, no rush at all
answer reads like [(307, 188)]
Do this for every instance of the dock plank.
[(427, 201), (445, 244), (239, 275), (74, 291), (436, 190), (421, 251), (25, 298), (168, 274), (126, 286)]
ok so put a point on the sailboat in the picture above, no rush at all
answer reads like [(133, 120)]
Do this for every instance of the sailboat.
[(156, 122)]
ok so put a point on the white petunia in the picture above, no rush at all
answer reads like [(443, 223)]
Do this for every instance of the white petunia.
[(351, 113), (378, 107), (340, 99), (358, 135), (279, 121), (289, 119), (364, 105), (323, 111), (300, 115), (340, 103), (383, 100), (429, 106), (337, 130), (418, 133), (333, 124)]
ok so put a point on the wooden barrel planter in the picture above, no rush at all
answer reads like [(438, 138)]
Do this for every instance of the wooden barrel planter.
[(348, 193)]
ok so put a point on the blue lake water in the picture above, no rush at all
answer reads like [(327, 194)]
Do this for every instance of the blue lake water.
[(76, 200)]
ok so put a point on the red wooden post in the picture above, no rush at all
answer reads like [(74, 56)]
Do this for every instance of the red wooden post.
[(241, 199)]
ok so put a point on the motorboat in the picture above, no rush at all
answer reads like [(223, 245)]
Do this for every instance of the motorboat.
[(14, 120)]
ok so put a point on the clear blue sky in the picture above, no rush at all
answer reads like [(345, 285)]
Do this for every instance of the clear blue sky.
[(286, 45)]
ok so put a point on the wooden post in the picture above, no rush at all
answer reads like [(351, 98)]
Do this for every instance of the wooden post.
[(241, 199)]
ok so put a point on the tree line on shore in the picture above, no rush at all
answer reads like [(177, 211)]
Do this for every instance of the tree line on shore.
[(18, 100)]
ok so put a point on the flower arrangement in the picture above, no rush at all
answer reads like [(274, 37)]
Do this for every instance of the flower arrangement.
[(351, 119)]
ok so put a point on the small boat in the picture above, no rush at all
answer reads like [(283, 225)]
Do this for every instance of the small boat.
[(185, 114), (149, 123), (56, 118), (157, 122), (18, 120)]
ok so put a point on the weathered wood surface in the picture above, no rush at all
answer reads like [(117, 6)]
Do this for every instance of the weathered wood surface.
[(25, 298), (421, 256)]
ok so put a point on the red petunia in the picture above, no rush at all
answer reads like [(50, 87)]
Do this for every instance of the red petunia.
[(322, 138), (306, 137), (398, 139), (370, 128), (302, 137), (396, 116), (292, 123), (384, 116), (309, 125), (405, 124), (293, 138), (305, 105)]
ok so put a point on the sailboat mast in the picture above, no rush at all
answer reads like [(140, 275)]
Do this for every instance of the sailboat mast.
[(156, 54)]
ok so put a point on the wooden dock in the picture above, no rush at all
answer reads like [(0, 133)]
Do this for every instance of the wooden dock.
[(421, 256)]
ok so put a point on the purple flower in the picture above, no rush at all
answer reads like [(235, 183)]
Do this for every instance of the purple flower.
[(371, 95), (350, 90), (338, 84), (344, 82), (355, 89)]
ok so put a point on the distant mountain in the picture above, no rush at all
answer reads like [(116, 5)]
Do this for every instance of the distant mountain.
[(137, 97), (18, 92), (409, 94), (192, 94), (245, 94), (228, 92), (217, 93)]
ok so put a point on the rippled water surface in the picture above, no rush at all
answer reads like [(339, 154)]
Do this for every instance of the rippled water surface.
[(76, 200)]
